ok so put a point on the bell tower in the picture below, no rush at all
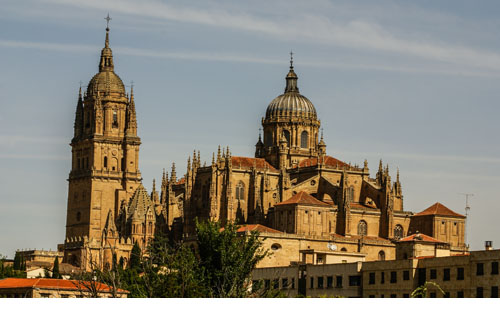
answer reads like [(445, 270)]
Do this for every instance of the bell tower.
[(105, 154)]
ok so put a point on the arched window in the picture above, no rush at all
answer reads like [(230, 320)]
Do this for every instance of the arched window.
[(351, 194), (304, 139), (268, 138), (362, 228), (381, 256), (240, 191), (105, 162), (398, 232), (286, 134), (115, 118), (343, 249)]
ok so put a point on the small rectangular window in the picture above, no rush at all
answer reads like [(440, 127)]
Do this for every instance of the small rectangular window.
[(446, 274), (479, 269), (460, 274), (446, 295), (312, 283), (371, 296), (292, 286), (338, 279), (393, 295), (354, 280), (406, 295), (460, 294), (267, 284), (276, 283), (494, 292), (494, 268), (382, 277), (320, 282), (433, 273), (394, 276), (406, 275), (329, 281), (371, 278), (284, 283), (479, 292)]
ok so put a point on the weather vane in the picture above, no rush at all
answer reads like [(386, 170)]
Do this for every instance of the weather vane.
[(107, 18)]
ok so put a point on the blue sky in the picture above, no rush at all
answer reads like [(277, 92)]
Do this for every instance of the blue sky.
[(415, 84)]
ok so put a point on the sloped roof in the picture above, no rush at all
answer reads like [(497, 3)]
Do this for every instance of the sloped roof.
[(328, 161), (50, 283), (246, 162), (438, 209), (256, 227), (303, 198), (420, 237)]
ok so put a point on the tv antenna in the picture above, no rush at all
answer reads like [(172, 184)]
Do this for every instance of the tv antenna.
[(467, 209)]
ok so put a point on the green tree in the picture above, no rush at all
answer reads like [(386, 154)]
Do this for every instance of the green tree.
[(227, 259), (17, 261), (55, 269), (135, 257)]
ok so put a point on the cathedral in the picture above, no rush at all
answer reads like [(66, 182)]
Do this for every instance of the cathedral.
[(305, 203)]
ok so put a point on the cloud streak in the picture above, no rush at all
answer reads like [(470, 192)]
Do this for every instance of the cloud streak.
[(204, 56), (308, 27)]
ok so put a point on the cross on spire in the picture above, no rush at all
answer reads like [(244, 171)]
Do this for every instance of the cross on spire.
[(107, 18), (291, 59)]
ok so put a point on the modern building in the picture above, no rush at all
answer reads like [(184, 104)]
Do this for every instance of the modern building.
[(421, 261)]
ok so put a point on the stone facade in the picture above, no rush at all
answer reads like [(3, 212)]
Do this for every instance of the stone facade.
[(314, 202)]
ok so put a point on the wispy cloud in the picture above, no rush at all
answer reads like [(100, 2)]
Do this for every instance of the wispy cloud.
[(225, 57), (309, 27)]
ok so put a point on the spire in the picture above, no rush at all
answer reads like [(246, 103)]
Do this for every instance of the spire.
[(131, 117), (189, 164), (106, 63), (173, 175), (291, 78), (218, 153), (199, 159), (79, 115), (213, 158)]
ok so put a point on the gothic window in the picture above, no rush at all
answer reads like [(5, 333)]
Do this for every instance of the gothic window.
[(304, 139), (87, 162), (362, 228), (381, 256), (150, 228), (105, 162), (115, 118), (143, 228), (268, 138), (286, 133), (398, 232), (351, 194), (240, 191)]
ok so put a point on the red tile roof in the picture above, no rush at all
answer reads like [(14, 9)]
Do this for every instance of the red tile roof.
[(303, 198), (420, 237), (49, 283), (181, 181), (328, 161), (362, 206), (257, 227), (245, 162), (438, 209)]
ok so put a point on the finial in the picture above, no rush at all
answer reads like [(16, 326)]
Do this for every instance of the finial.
[(397, 175), (107, 18), (213, 158), (260, 132), (291, 59), (132, 87), (321, 133), (199, 159), (218, 153), (154, 185)]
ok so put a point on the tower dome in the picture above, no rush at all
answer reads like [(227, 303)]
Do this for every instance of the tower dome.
[(291, 104), (106, 81)]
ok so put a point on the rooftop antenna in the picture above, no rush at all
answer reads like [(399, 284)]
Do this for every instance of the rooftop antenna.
[(467, 209)]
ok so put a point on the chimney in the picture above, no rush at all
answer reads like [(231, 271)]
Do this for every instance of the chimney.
[(488, 245)]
